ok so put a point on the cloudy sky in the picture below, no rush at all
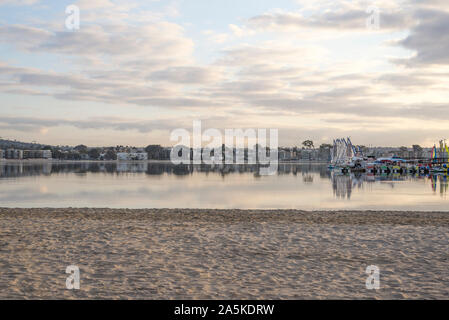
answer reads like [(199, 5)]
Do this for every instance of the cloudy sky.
[(136, 70)]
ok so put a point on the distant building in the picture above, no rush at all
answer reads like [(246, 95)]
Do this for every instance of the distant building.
[(2, 154), (308, 154), (132, 156), (285, 154), (14, 154), (37, 154)]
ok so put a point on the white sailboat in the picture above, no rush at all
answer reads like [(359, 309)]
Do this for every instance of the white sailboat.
[(344, 155)]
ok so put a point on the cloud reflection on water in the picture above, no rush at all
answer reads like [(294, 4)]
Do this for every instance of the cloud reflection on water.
[(164, 185)]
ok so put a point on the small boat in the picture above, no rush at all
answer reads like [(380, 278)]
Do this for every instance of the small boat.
[(396, 169), (438, 170)]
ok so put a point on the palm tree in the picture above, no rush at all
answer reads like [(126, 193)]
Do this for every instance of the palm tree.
[(308, 144)]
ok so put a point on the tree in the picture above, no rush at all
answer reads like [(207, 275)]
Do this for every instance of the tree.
[(325, 146), (155, 152), (110, 155), (73, 156), (81, 149), (324, 152), (94, 154), (308, 144), (56, 153)]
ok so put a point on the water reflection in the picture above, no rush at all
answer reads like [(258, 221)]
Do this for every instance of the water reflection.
[(12, 170), (22, 169), (440, 180), (148, 184), (344, 184)]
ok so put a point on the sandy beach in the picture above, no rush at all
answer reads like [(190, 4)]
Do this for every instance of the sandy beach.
[(222, 254)]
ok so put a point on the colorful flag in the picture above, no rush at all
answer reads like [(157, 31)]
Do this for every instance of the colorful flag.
[(447, 151), (434, 152)]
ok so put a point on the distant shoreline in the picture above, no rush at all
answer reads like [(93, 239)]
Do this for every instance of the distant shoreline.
[(137, 161)]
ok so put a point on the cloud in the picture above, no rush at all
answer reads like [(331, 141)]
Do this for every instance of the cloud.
[(38, 124), (271, 52), (304, 83), (186, 75), (241, 31), (113, 64), (18, 2), (23, 37), (429, 39), (335, 16), (94, 4), (407, 81), (116, 90), (248, 86)]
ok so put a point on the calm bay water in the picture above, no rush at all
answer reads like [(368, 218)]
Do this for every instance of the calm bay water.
[(163, 185)]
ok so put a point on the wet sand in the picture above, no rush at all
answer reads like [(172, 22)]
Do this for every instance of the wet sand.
[(222, 254)]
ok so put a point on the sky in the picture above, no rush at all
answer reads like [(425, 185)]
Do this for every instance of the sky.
[(377, 71)]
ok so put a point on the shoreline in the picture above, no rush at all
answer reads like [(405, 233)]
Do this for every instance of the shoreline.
[(354, 217), (222, 254), (147, 161), (401, 217)]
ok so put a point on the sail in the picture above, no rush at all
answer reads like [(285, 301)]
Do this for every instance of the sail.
[(447, 151), (343, 151), (434, 153), (441, 151), (352, 151)]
